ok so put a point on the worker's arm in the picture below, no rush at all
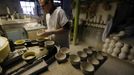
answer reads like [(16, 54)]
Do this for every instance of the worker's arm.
[(65, 28)]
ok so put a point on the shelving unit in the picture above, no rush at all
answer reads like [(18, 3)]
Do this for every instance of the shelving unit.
[(16, 21)]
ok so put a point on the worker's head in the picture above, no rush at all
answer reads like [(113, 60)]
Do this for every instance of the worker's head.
[(47, 5)]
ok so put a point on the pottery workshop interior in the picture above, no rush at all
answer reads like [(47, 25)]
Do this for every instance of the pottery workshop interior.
[(66, 37)]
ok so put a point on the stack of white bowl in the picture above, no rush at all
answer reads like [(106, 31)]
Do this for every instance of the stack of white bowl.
[(116, 48)]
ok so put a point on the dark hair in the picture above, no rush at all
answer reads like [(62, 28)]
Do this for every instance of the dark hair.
[(47, 1)]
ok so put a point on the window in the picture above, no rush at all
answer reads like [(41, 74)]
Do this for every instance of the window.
[(28, 7), (57, 2)]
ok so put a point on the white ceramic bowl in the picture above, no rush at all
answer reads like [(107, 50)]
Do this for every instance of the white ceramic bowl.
[(116, 38), (60, 56), (74, 59), (107, 40), (88, 51), (119, 44), (29, 56), (64, 50), (87, 68), (82, 54), (99, 57), (49, 43), (93, 60)]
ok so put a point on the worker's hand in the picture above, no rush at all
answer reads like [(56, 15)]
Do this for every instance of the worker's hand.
[(40, 32), (47, 33), (44, 33)]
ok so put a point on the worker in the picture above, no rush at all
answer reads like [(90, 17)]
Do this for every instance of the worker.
[(58, 25)]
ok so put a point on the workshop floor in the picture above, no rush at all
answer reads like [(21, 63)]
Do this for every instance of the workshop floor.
[(110, 67)]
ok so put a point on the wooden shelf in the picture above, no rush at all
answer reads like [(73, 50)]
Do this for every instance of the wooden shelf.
[(16, 21)]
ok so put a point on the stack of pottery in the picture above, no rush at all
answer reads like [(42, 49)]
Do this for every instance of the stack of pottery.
[(111, 46), (124, 51), (117, 49), (106, 45)]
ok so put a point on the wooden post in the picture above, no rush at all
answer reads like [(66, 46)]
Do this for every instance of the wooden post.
[(76, 22)]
